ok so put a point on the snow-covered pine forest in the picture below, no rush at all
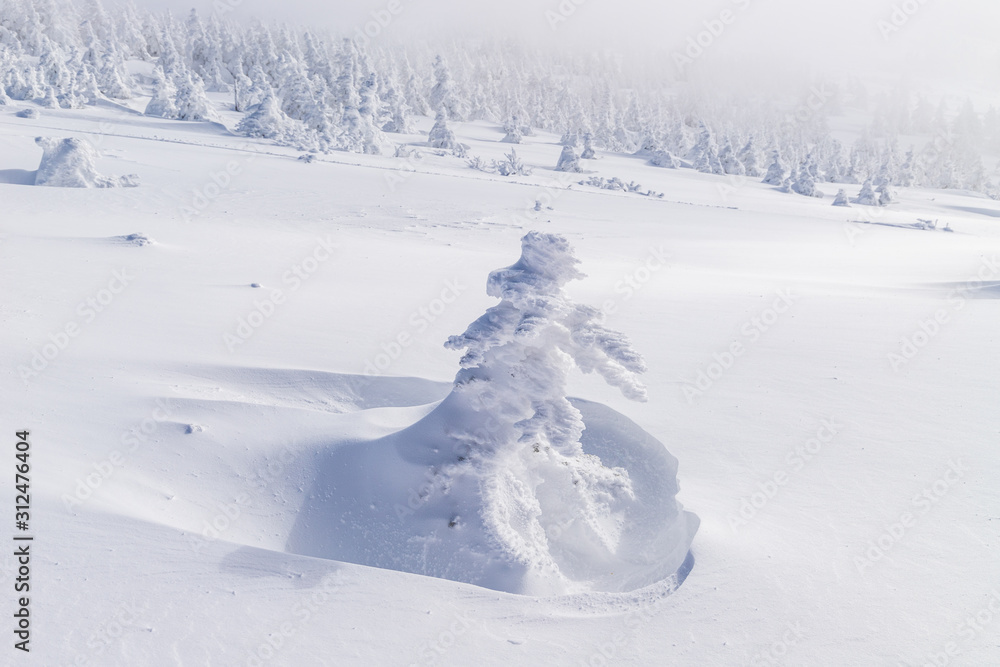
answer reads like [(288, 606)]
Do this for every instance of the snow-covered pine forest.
[(321, 92)]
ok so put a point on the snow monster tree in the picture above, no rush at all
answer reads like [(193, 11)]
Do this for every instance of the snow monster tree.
[(507, 483)]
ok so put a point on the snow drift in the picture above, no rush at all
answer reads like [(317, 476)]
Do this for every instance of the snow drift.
[(70, 163), (506, 483)]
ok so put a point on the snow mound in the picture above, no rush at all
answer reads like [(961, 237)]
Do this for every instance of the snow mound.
[(414, 501), (506, 483), (28, 112), (70, 163), (137, 240)]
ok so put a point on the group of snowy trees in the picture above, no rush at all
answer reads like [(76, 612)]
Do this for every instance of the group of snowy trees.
[(320, 94)]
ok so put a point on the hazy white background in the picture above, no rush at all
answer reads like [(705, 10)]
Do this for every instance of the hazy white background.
[(941, 38)]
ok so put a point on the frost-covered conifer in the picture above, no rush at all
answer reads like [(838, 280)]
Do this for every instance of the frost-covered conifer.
[(440, 135), (192, 103), (512, 129), (588, 148), (776, 171), (267, 121), (443, 93), (664, 158), (867, 196), (748, 158), (730, 163), (568, 160), (805, 183), (398, 111), (518, 357)]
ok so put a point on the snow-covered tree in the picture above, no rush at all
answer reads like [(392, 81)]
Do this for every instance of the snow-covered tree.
[(568, 160), (748, 158), (443, 93), (804, 182), (664, 158), (588, 148), (517, 362), (359, 131), (192, 103), (570, 138), (704, 155), (113, 76), (841, 198), (867, 196), (729, 161), (513, 131), (776, 170), (267, 121), (886, 194), (441, 135), (162, 103), (398, 112)]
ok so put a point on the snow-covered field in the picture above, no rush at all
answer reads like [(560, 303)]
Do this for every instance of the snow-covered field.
[(827, 385)]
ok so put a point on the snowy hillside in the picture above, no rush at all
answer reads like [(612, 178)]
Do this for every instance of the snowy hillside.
[(433, 387)]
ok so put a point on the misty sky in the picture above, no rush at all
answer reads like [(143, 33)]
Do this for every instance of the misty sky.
[(941, 38)]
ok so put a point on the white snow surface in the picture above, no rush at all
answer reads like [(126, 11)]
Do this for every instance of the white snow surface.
[(843, 463)]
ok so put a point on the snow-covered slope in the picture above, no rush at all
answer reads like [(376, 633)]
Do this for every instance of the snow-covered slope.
[(825, 384)]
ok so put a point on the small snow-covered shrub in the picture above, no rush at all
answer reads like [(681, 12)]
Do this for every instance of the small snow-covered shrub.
[(615, 183), (511, 165)]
